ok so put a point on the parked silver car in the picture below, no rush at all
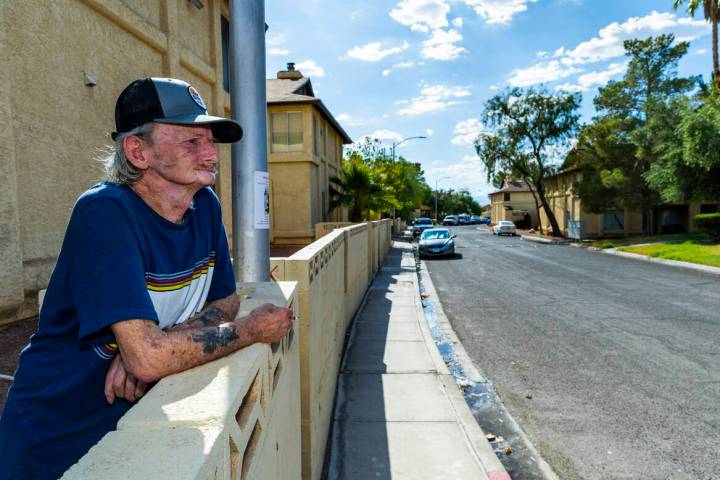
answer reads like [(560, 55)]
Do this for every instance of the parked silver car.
[(504, 227), (435, 242)]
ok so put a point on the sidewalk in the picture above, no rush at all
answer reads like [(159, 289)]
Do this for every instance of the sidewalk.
[(399, 413)]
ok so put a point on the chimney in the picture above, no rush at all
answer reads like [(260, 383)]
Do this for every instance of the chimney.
[(290, 73)]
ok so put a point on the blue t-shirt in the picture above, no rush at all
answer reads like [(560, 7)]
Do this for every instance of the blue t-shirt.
[(119, 260)]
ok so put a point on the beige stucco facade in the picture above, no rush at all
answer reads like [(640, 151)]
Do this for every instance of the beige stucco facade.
[(57, 123), (567, 206), (295, 211), (511, 202)]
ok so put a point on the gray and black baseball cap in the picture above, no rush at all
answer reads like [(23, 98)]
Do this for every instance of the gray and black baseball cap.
[(167, 100)]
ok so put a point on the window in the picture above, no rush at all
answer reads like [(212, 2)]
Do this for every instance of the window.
[(225, 40), (316, 136), (323, 139), (506, 197), (287, 131), (709, 208), (614, 221)]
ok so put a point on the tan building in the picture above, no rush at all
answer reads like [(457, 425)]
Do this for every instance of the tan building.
[(305, 151), (568, 210), (513, 202), (64, 63)]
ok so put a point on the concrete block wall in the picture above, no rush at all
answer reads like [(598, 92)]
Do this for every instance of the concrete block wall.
[(332, 274), (235, 418), (323, 228)]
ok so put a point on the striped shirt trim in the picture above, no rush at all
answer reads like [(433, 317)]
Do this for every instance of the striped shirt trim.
[(106, 351), (176, 281)]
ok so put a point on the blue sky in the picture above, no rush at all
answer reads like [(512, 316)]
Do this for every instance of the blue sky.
[(401, 68)]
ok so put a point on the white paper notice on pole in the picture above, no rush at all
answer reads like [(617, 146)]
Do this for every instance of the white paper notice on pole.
[(262, 200)]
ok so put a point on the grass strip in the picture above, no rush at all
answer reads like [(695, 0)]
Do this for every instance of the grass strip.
[(636, 239), (690, 251)]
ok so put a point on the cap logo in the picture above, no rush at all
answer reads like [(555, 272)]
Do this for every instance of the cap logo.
[(196, 96)]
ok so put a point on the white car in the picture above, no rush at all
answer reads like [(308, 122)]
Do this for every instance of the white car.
[(504, 227)]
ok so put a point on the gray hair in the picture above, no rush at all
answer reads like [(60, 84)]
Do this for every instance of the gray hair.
[(118, 168)]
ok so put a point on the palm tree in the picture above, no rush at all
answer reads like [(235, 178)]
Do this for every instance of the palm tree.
[(355, 188), (711, 9)]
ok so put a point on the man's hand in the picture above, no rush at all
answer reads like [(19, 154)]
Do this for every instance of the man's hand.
[(267, 323), (119, 383)]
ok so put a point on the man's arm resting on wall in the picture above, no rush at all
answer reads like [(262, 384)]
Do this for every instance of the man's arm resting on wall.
[(150, 353), (216, 312), (120, 383)]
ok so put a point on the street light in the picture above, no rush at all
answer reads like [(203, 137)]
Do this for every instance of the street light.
[(395, 144)]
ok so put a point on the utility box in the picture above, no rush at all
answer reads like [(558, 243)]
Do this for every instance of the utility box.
[(576, 229)]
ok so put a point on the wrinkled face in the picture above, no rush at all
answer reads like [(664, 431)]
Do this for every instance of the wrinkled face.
[(182, 155)]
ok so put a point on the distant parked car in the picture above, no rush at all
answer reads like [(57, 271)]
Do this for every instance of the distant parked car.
[(420, 225), (435, 242), (450, 220), (463, 219), (504, 227), (474, 219), (485, 220)]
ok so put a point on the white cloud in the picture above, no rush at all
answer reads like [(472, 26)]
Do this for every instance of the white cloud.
[(498, 11), (441, 45), (421, 15), (457, 22), (701, 51), (275, 40), (466, 132), (601, 78), (433, 98), (311, 69), (343, 117), (607, 45), (278, 51), (429, 132), (569, 87), (609, 42), (372, 52), (385, 135), (494, 88), (540, 73), (588, 80), (403, 64), (465, 174)]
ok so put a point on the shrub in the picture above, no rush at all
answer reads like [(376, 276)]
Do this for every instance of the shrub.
[(710, 224)]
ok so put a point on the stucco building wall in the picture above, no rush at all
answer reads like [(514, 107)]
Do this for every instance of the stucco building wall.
[(296, 210), (519, 201)]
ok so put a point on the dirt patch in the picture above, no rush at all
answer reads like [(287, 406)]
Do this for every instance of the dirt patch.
[(13, 338)]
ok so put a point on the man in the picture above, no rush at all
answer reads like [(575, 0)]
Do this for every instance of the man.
[(143, 286)]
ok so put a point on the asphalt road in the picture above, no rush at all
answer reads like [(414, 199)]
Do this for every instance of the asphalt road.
[(621, 358)]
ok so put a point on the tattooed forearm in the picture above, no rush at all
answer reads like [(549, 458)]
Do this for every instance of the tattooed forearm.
[(210, 317), (215, 338)]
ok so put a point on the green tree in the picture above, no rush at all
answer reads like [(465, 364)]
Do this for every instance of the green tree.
[(711, 11), (357, 188), (688, 156), (529, 127), (396, 185), (617, 150)]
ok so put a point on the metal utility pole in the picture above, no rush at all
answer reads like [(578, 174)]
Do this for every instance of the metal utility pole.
[(395, 144), (251, 223)]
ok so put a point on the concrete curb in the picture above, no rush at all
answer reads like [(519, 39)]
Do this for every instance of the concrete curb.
[(473, 429), (662, 261), (547, 241), (473, 432)]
